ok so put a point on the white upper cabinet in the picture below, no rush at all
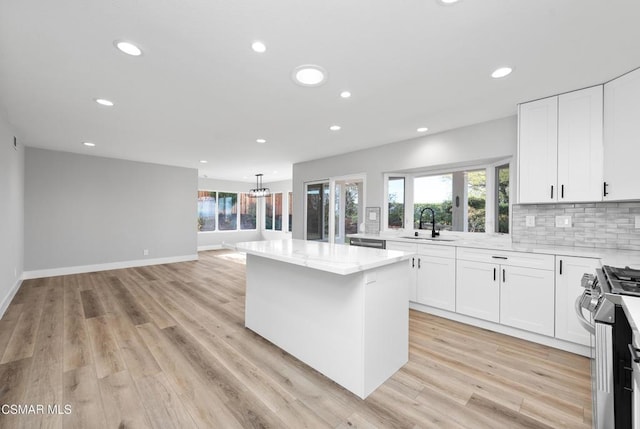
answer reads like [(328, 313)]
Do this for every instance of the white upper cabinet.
[(560, 148), (622, 137), (580, 145), (537, 150)]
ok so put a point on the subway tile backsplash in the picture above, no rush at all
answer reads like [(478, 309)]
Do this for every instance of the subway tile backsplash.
[(595, 225)]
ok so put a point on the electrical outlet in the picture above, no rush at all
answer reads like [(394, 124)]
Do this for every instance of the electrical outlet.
[(531, 220), (145, 252), (563, 221)]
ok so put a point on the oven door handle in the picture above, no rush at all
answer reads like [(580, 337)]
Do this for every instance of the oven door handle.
[(581, 319)]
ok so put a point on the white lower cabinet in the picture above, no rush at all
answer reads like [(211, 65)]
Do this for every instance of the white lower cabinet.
[(527, 299), (569, 272), (489, 287), (433, 278), (413, 261), (478, 290), (436, 277), (529, 291)]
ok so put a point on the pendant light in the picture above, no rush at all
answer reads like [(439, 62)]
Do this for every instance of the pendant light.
[(259, 190)]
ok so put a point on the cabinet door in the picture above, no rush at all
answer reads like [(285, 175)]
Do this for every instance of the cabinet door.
[(527, 299), (413, 263), (478, 290), (436, 284), (580, 145), (622, 136), (538, 151), (569, 271)]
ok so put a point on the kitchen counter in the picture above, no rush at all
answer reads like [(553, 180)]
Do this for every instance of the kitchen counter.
[(618, 258), (342, 310), (332, 258)]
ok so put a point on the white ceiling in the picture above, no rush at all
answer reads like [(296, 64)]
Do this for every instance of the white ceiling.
[(199, 91)]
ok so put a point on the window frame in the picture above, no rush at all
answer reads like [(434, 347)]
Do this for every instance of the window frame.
[(491, 194), (238, 228)]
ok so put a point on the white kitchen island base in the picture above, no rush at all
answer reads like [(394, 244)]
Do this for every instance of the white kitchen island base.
[(353, 328)]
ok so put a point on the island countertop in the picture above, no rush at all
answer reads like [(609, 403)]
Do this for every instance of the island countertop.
[(334, 258)]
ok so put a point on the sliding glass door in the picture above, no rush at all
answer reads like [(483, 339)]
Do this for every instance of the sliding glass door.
[(342, 197), (317, 211)]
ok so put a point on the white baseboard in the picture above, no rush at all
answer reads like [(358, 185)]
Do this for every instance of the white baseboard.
[(36, 274), (507, 330), (210, 247), (7, 299)]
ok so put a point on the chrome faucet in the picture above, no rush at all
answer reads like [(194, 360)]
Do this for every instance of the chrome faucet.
[(434, 233)]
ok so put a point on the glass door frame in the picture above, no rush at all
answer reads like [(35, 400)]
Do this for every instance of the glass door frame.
[(332, 181)]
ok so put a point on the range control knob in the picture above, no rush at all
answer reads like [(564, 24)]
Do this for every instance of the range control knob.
[(587, 281)]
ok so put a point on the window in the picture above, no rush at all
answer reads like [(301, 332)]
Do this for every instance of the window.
[(396, 202), (290, 211), (273, 212), (502, 199), (224, 211), (434, 192), (206, 211), (476, 200), (247, 212), (471, 200), (227, 211)]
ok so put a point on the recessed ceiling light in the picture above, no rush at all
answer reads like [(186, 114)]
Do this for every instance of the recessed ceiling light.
[(261, 141), (88, 144), (104, 102), (501, 72), (203, 161), (258, 46), (447, 2), (422, 129), (309, 75), (345, 94), (128, 48), (335, 127)]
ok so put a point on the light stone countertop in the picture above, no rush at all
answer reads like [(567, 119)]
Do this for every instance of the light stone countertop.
[(616, 258), (334, 258)]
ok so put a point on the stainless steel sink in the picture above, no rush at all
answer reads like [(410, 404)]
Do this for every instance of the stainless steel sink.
[(430, 238)]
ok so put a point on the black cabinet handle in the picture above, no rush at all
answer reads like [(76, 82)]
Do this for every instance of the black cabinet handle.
[(494, 273), (605, 193), (499, 257), (561, 191), (551, 191), (504, 278), (418, 262), (560, 266), (413, 262)]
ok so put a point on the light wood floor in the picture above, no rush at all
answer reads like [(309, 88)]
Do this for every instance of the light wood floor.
[(165, 347)]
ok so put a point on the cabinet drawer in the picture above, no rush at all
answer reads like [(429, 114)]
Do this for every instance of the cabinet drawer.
[(400, 245), (437, 250), (519, 259)]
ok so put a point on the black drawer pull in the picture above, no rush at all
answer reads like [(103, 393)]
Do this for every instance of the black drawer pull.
[(500, 257)]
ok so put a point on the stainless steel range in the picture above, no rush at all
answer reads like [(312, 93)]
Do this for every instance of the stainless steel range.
[(611, 369)]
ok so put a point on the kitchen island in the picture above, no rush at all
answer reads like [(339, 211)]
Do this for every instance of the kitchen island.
[(341, 310)]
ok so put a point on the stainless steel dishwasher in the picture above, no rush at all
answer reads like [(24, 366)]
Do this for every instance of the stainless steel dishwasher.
[(368, 242)]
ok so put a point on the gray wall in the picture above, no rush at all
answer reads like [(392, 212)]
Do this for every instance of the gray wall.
[(11, 213), (480, 142), (86, 210), (214, 239), (602, 225)]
